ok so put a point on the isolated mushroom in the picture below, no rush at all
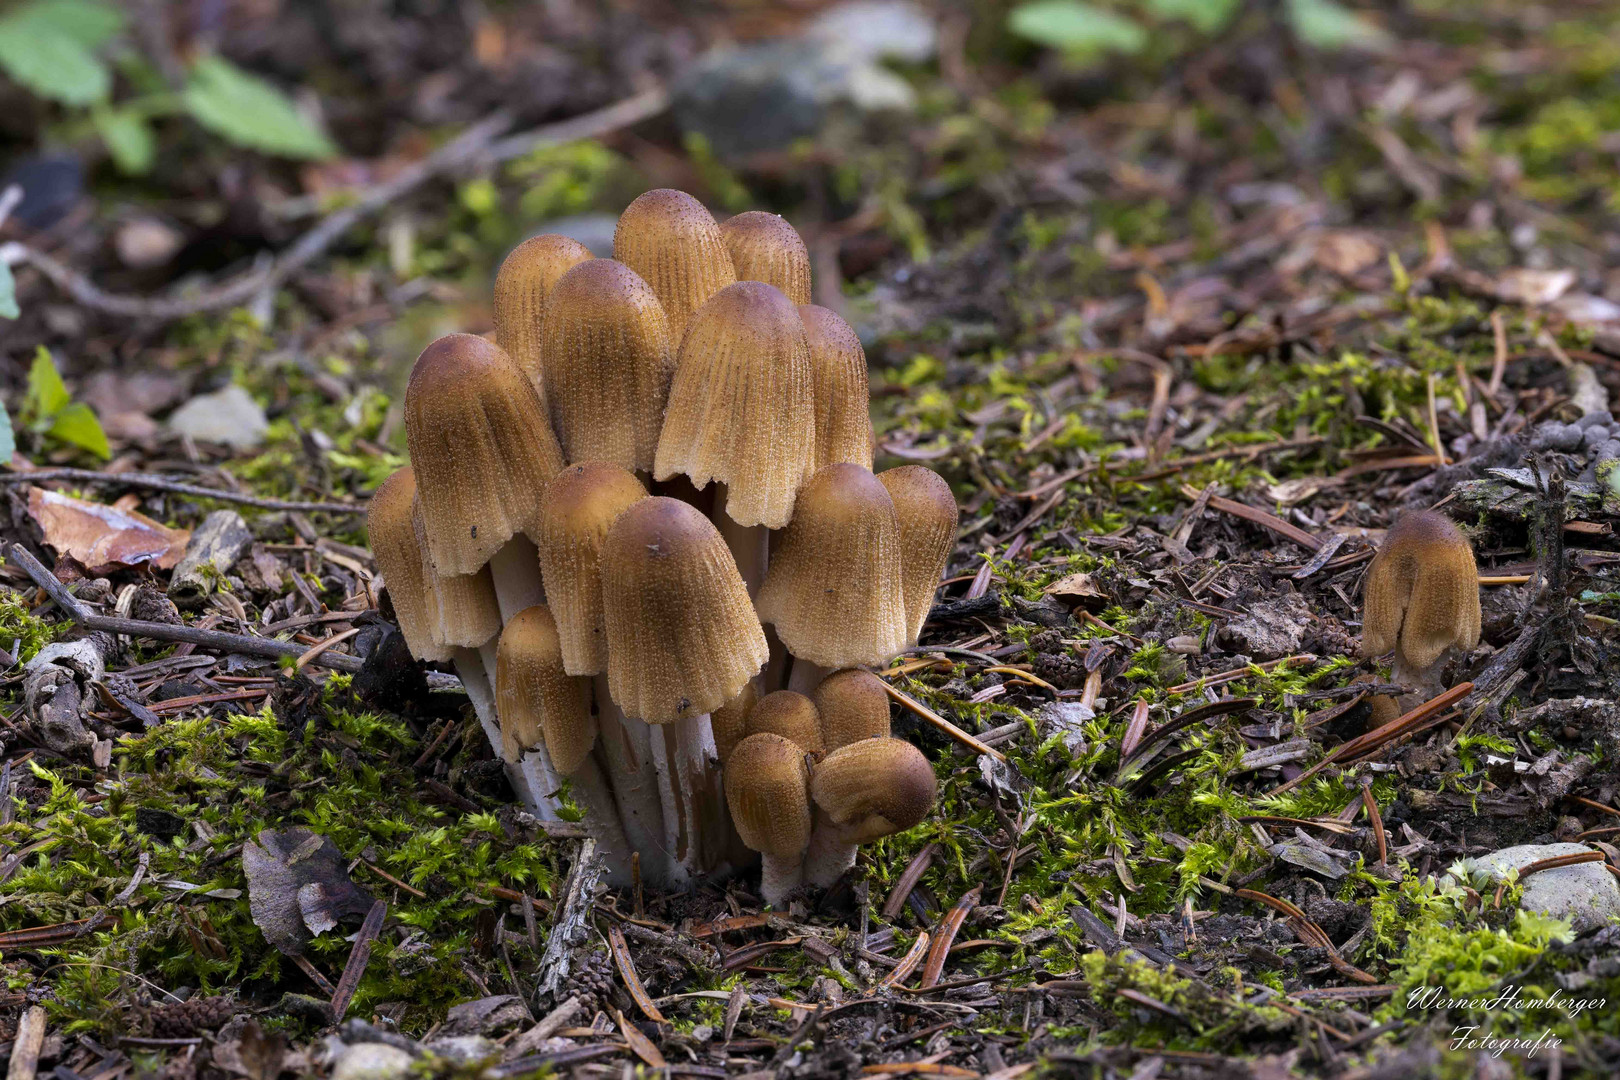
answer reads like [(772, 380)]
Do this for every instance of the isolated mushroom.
[(862, 792), (852, 706), (833, 591), (926, 511), (838, 372), (483, 451), (540, 704), (742, 411), (393, 543), (764, 247), (522, 285), (767, 790), (682, 641), (607, 360), (1422, 594), (790, 715), (668, 238)]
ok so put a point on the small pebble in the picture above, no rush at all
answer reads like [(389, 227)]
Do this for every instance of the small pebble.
[(1593, 418)]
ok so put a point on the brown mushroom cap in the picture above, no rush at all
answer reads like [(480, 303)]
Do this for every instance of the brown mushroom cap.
[(730, 721), (463, 611), (522, 285), (838, 369), (668, 238), (853, 706), (764, 247), (1422, 591), (790, 715), (580, 504), (482, 449), (833, 590), (682, 636), (767, 790), (742, 406), (926, 511), (874, 788), (607, 362), (536, 699), (393, 543)]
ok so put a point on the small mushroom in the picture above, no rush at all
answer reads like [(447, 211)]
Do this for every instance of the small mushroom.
[(764, 247), (730, 721), (1422, 594), (522, 286), (926, 510), (392, 530), (863, 792), (790, 715), (668, 238), (853, 706), (767, 789), (838, 371)]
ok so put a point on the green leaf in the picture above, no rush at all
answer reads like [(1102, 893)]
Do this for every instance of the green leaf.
[(250, 112), (8, 438), (1327, 25), (47, 395), (1076, 27), (129, 139), (1206, 16), (8, 293), (77, 425), (50, 63), (88, 22)]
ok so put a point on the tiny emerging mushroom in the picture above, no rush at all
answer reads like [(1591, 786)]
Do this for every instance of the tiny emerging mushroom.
[(838, 373), (790, 715), (392, 528), (1422, 594), (852, 705), (862, 792), (767, 790), (926, 511), (522, 286), (672, 241), (764, 247)]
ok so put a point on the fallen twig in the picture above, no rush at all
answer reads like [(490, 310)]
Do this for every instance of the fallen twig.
[(977, 746), (164, 483), (359, 956), (949, 927), (26, 1045), (632, 981)]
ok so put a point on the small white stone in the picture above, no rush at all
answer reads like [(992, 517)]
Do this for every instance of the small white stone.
[(372, 1061), (1586, 894), (229, 417)]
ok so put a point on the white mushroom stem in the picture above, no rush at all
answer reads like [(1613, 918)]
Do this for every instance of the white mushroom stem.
[(689, 786), (775, 675), (779, 875), (515, 569), (806, 676), (830, 854), (532, 778), (626, 747), (680, 828), (749, 544), (591, 791)]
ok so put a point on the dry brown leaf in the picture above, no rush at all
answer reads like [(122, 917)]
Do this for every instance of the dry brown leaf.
[(103, 537), (1346, 253), (1078, 590), (1522, 286)]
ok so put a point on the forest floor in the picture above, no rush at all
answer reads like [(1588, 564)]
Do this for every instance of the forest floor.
[(1185, 334)]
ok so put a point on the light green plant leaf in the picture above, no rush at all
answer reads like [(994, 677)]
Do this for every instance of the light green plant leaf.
[(250, 112), (89, 22), (78, 426), (1327, 25), (47, 395), (50, 63), (8, 293), (128, 137), (1206, 16), (1076, 27), (8, 437)]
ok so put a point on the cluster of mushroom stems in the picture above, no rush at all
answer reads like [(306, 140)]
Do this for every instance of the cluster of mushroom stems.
[(642, 524)]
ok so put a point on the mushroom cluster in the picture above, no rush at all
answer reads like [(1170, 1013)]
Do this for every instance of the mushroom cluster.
[(642, 523)]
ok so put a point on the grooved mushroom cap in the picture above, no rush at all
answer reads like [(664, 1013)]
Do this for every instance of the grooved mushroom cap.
[(742, 406), (1422, 591), (482, 449), (833, 588), (607, 362), (791, 715), (874, 788), (535, 698), (764, 247), (668, 238), (853, 706), (838, 370), (767, 789), (682, 637), (462, 609), (393, 543), (926, 510), (580, 503), (522, 286), (730, 721)]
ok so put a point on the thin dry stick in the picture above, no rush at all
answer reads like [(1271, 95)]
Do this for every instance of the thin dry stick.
[(359, 956), (913, 873), (908, 963), (1377, 820), (26, 1045), (164, 483), (1388, 733), (943, 724), (632, 981), (1259, 517), (949, 927), (211, 639)]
